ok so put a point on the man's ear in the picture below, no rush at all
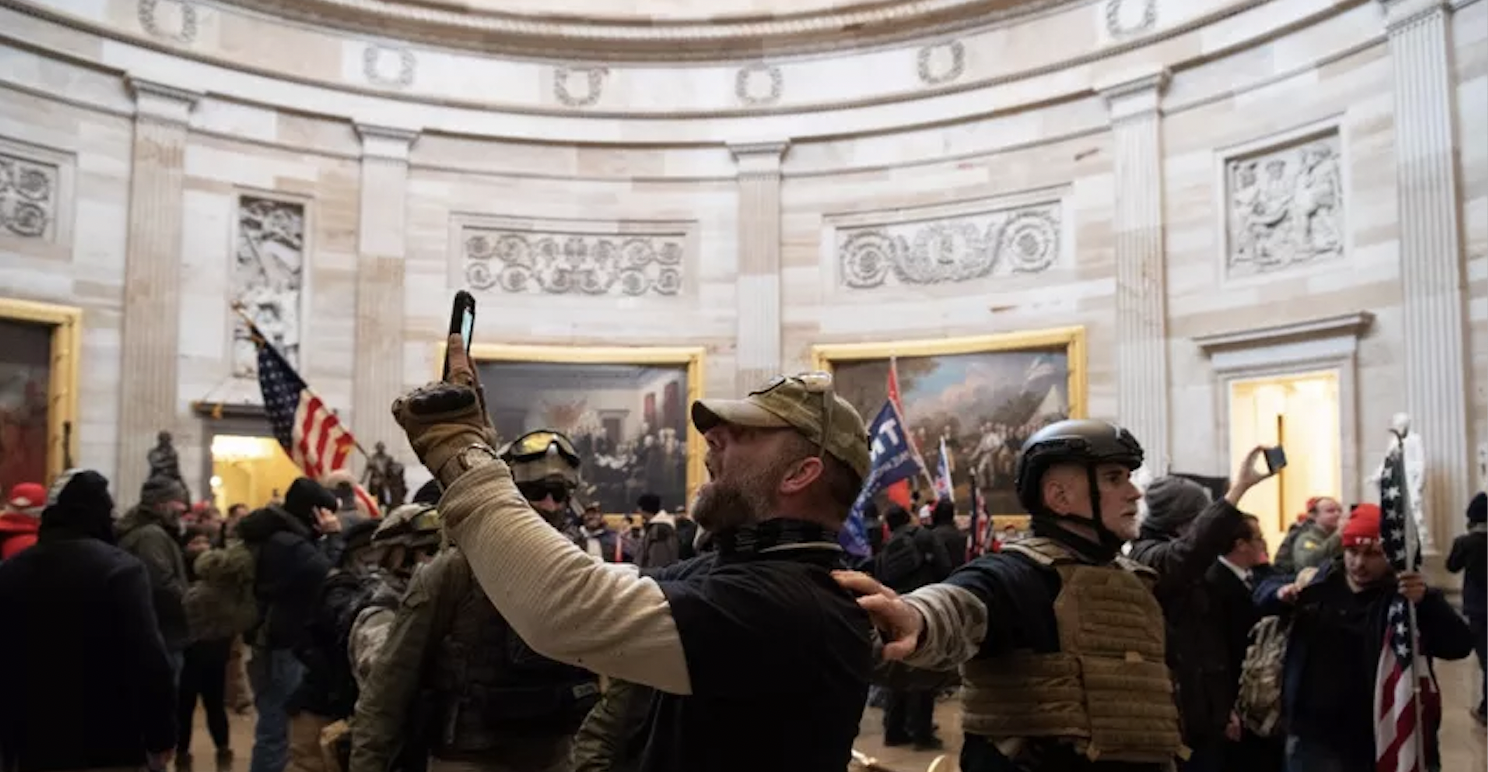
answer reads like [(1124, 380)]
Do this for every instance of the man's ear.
[(801, 475), (1056, 493)]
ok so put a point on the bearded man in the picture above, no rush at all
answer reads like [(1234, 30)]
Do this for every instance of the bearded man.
[(761, 662)]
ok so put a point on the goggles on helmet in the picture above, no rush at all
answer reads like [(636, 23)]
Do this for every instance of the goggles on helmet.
[(534, 445)]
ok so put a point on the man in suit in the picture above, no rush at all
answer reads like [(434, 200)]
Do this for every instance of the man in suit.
[(1229, 583)]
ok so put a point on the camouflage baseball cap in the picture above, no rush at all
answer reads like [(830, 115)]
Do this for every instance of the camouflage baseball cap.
[(806, 403)]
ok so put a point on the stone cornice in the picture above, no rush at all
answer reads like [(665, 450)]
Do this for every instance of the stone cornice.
[(1135, 94), (385, 143), (645, 39), (1349, 325), (160, 101)]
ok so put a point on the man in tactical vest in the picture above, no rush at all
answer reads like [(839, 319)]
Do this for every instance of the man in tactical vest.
[(454, 675), (1059, 637)]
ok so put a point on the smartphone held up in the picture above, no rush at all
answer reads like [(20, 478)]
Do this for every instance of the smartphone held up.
[(462, 321)]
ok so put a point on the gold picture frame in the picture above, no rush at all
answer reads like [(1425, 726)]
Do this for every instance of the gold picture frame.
[(689, 357), (1070, 340), (62, 387)]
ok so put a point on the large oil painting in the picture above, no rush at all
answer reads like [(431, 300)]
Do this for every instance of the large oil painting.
[(627, 417), (37, 390), (981, 396)]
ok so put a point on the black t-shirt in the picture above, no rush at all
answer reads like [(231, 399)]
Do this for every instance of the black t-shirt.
[(779, 658)]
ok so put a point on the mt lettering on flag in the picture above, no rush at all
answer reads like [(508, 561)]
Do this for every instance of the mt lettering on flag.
[(1399, 742), (890, 461)]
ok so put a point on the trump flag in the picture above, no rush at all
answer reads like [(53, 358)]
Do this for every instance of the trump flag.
[(891, 460)]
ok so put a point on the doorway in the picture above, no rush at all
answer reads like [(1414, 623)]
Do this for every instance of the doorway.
[(249, 470), (1301, 412)]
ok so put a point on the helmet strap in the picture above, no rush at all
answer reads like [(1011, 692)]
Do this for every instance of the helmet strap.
[(1107, 543)]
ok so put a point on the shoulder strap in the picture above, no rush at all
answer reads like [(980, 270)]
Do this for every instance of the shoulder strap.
[(1131, 566), (1045, 552)]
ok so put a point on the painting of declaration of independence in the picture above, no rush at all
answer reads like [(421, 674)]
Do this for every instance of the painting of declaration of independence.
[(25, 376), (628, 422), (984, 404)]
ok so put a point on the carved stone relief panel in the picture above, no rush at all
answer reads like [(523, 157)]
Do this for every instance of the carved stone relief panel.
[(169, 19), (1125, 18), (579, 87), (941, 63), (960, 248), (28, 198), (388, 65), (268, 278), (574, 258), (1284, 206), (758, 84)]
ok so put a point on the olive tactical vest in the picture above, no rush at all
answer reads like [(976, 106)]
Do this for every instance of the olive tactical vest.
[(1107, 689), (492, 693)]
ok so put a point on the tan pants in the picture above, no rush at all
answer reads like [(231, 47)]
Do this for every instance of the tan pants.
[(236, 692), (304, 743), (563, 764)]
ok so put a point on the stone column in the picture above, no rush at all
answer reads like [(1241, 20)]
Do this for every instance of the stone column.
[(757, 350), (381, 243), (151, 329), (1433, 295), (1141, 289)]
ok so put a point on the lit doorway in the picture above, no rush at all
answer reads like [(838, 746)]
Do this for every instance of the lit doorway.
[(1301, 413), (249, 470)]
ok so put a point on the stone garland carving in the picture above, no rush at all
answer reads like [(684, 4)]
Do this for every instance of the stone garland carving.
[(954, 249), (28, 197), (149, 20), (1285, 207), (595, 77), (744, 84), (520, 262), (268, 278), (372, 57), (926, 63), (1115, 26)]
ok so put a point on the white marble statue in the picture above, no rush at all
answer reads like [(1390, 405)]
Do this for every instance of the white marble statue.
[(1415, 475)]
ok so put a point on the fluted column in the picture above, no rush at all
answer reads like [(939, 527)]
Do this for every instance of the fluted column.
[(151, 332), (1141, 290), (757, 350), (1431, 261), (378, 372)]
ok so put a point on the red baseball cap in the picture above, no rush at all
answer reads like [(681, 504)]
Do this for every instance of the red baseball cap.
[(27, 498)]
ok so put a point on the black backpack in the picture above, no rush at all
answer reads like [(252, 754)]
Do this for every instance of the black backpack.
[(903, 558)]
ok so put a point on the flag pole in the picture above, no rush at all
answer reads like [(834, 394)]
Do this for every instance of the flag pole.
[(260, 339), (1412, 544)]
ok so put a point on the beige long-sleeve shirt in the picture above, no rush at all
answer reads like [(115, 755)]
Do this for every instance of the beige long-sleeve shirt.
[(566, 605)]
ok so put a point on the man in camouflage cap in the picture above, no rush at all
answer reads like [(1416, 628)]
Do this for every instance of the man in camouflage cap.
[(759, 662)]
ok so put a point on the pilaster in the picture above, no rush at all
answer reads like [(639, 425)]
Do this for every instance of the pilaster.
[(757, 348), (1433, 287), (1141, 288), (381, 240), (151, 324)]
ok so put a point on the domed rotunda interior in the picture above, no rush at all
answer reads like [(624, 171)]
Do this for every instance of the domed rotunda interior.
[(1219, 224)]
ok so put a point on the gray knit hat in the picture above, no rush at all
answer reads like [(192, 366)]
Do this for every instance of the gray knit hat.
[(159, 490), (1173, 502)]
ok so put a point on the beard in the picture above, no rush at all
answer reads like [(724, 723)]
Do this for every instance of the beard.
[(724, 505)]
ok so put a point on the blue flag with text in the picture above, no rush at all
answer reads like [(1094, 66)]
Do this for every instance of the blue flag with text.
[(891, 460)]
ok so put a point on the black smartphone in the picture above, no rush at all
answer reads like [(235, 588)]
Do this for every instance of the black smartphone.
[(462, 320), (1275, 458)]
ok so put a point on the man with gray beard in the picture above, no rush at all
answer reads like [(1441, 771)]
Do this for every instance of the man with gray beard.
[(762, 661)]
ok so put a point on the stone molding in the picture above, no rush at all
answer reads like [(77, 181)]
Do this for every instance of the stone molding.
[(386, 144), (1135, 95), (160, 102), (1353, 325), (759, 158), (1400, 14)]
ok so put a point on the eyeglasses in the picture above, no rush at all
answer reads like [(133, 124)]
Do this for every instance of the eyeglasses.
[(538, 490)]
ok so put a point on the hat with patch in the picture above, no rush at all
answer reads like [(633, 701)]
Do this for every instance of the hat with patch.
[(806, 403)]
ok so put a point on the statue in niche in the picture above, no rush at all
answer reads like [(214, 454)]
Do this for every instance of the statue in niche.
[(396, 486), (376, 476), (1414, 456), (163, 460), (1285, 208)]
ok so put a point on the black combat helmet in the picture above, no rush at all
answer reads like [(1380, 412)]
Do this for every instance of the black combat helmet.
[(1081, 441)]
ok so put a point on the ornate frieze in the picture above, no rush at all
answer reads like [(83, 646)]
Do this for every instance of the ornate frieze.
[(268, 278), (555, 262), (28, 198), (941, 63), (388, 65), (169, 19), (1125, 18), (759, 84), (1285, 206), (950, 249), (579, 86)]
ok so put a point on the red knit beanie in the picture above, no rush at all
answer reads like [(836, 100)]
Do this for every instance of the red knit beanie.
[(1363, 526)]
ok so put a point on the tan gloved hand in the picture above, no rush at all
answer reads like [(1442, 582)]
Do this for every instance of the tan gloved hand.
[(443, 418)]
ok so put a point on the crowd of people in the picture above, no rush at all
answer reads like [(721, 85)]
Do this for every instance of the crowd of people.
[(497, 624)]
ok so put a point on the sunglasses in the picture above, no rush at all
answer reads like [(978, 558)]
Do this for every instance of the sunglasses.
[(541, 489)]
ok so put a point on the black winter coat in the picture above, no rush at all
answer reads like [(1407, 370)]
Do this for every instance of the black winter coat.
[(292, 563), (1470, 556)]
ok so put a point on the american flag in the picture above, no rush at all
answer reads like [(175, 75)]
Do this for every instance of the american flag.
[(309, 432), (1398, 738)]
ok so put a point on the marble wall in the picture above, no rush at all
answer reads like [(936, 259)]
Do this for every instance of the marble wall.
[(1212, 189)]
